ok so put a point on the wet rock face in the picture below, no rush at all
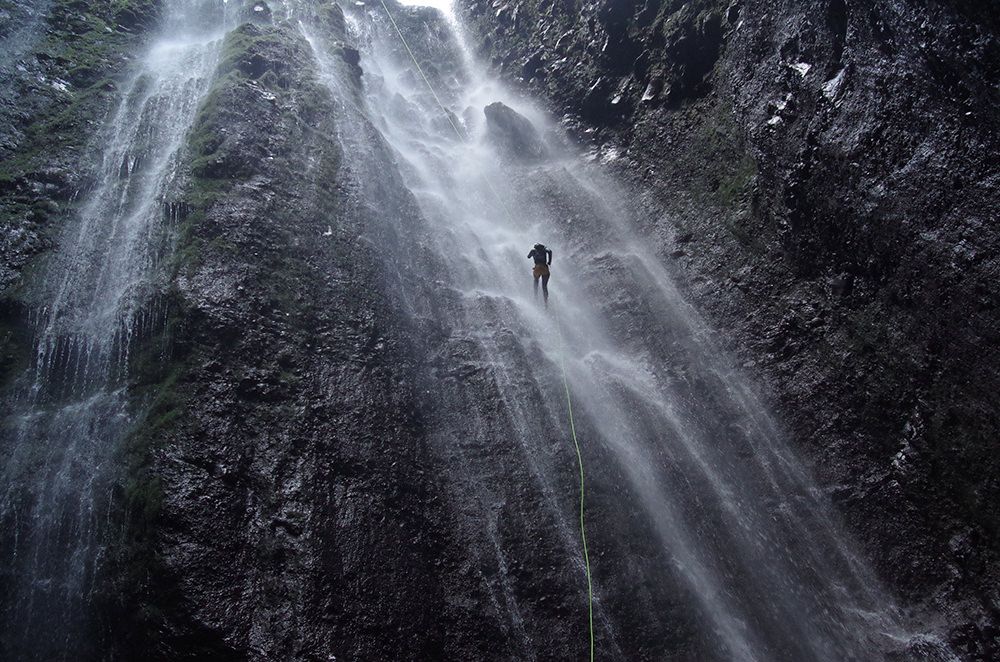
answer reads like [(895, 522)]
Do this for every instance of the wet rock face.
[(513, 133), (329, 475), (293, 511), (60, 64), (820, 175), (604, 59)]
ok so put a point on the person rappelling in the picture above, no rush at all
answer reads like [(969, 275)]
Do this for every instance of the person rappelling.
[(543, 258)]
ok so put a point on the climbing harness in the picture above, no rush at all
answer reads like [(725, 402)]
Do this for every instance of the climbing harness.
[(562, 351)]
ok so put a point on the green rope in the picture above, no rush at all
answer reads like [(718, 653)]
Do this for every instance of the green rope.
[(583, 528), (420, 69), (437, 99), (562, 367)]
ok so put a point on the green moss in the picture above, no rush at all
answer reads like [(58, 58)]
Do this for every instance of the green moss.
[(736, 182), (244, 49), (135, 13), (81, 56), (718, 167), (84, 47), (15, 349), (250, 51), (74, 118), (206, 140), (158, 372), (202, 194), (206, 185), (66, 126)]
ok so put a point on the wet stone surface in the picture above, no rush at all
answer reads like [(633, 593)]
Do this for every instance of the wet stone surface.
[(325, 460), (819, 177)]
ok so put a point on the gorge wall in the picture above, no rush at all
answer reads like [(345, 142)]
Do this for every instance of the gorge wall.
[(322, 458), (821, 177)]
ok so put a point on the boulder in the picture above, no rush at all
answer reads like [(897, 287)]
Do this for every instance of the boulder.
[(513, 134)]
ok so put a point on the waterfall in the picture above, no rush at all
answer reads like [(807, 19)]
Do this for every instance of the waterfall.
[(708, 537), (96, 303), (680, 447)]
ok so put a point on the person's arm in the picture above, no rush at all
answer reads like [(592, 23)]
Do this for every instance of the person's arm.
[(531, 254), (550, 257)]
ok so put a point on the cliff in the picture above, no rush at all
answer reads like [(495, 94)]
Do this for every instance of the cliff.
[(820, 177), (331, 422)]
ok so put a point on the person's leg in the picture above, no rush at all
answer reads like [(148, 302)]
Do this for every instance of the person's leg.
[(536, 287), (545, 287)]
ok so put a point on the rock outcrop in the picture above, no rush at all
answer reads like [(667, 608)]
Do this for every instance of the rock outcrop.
[(514, 134), (264, 489)]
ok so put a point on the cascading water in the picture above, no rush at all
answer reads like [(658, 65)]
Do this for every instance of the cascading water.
[(95, 304), (21, 27), (708, 538), (748, 551)]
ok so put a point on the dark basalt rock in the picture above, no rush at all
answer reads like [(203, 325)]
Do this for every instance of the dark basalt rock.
[(833, 166), (352, 58), (138, 14), (57, 77), (513, 133), (294, 518)]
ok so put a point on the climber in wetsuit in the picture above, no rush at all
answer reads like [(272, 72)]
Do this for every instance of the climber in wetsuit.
[(543, 258)]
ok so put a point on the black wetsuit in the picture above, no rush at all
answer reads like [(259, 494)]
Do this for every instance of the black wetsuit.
[(543, 258)]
